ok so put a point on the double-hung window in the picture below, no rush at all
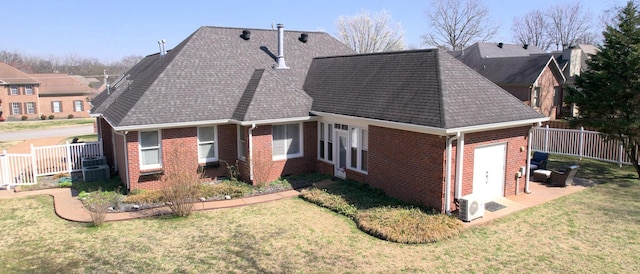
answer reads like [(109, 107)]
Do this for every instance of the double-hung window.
[(536, 102), (77, 105), (30, 107), (359, 149), (150, 153), (56, 106), (28, 90), (287, 141), (15, 109), (242, 143), (207, 145), (13, 90), (325, 145)]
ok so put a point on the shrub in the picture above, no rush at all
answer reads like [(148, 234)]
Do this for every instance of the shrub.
[(24, 117), (333, 202), (51, 117), (181, 188), (407, 225), (235, 189), (43, 117), (70, 116), (98, 203), (144, 197)]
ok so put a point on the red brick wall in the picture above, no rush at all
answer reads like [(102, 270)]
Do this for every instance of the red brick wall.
[(407, 165), (547, 82), (266, 169), (67, 104), (7, 99), (516, 140)]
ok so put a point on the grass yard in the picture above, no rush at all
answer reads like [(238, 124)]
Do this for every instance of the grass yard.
[(43, 124), (592, 231)]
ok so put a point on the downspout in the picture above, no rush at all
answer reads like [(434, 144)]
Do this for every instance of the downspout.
[(253, 126), (459, 166), (527, 167), (126, 157), (447, 187)]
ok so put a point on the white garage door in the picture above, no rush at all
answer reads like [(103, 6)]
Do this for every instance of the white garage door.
[(488, 171)]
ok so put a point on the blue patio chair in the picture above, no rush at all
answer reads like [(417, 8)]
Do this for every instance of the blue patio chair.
[(539, 160)]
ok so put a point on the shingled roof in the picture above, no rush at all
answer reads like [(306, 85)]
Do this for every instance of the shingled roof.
[(423, 87), (215, 75), (13, 76), (53, 84)]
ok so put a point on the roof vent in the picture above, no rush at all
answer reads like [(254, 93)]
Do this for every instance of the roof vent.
[(525, 46), (280, 57), (304, 37), (500, 45), (246, 34), (161, 46)]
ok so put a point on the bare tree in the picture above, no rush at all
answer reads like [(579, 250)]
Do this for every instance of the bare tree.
[(570, 24), (532, 29), (457, 23), (370, 33)]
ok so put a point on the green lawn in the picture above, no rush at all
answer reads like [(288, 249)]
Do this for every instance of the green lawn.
[(592, 231), (43, 124)]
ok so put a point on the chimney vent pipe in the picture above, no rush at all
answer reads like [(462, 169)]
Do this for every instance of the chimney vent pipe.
[(281, 63)]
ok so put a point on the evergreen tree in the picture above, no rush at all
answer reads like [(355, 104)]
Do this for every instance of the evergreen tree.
[(608, 93)]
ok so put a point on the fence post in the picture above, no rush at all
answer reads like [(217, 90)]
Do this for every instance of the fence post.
[(581, 148), (620, 155), (4, 170), (546, 138), (34, 163), (69, 158)]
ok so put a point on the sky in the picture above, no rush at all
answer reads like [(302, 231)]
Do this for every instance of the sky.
[(111, 30)]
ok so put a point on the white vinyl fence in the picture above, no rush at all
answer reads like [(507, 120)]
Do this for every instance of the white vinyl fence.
[(24, 169), (578, 142)]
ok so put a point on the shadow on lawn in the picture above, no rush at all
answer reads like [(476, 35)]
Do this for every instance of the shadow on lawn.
[(597, 171)]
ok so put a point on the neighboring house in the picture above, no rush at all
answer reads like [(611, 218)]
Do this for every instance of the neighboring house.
[(19, 96), (573, 61), (418, 124), (527, 72), (62, 95)]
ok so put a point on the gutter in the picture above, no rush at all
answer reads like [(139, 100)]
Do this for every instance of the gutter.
[(251, 151), (447, 186)]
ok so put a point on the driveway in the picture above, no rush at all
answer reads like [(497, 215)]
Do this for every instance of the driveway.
[(46, 133)]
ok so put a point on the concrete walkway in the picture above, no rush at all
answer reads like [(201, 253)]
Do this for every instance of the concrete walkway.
[(70, 208)]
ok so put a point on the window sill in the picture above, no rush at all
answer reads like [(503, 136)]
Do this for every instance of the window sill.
[(212, 164), (151, 172), (288, 157)]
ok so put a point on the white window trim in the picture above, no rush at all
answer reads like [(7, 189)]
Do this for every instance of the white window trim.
[(301, 144), (242, 144), (75, 106), (12, 88), (358, 167), (159, 147), (53, 106), (13, 112), (215, 146), (26, 107)]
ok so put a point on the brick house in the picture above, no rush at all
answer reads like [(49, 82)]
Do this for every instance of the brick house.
[(32, 95), (19, 94), (527, 72), (392, 120), (62, 95)]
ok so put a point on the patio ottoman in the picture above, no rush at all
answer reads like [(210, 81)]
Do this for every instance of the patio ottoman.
[(541, 175)]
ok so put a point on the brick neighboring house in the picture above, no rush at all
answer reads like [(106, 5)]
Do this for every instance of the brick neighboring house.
[(527, 72), (392, 120), (62, 95), (19, 94)]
